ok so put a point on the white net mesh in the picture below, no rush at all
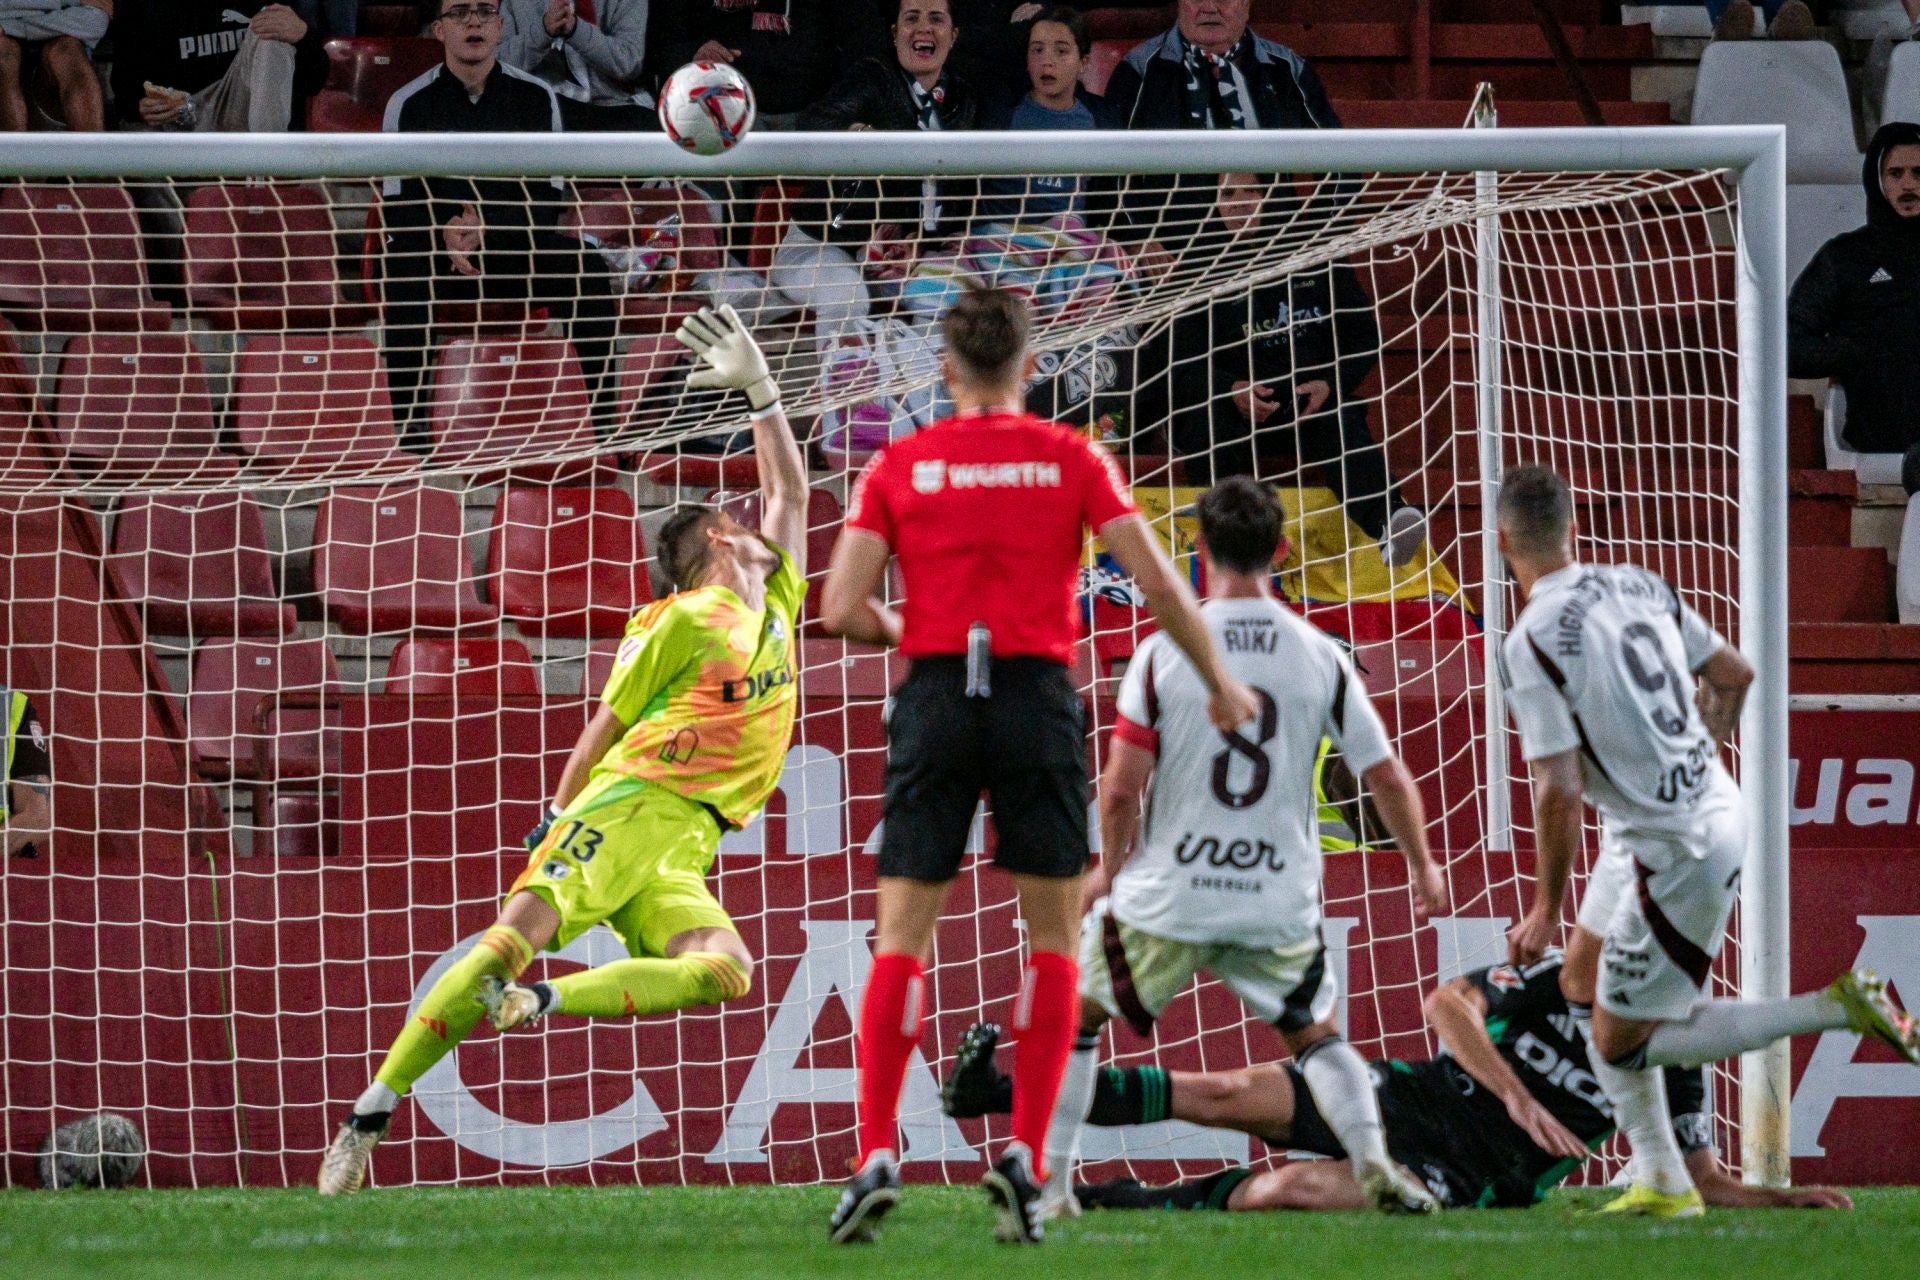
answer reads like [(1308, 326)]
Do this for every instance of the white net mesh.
[(316, 547)]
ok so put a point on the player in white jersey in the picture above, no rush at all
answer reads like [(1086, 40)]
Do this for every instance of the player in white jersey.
[(1623, 696), (1219, 870)]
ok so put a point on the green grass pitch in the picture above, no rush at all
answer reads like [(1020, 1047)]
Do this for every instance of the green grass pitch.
[(675, 1233)]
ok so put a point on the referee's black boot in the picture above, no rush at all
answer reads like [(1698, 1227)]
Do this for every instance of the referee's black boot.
[(864, 1200), (1011, 1186), (976, 1086)]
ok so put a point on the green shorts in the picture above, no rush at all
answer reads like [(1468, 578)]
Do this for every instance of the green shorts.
[(635, 857)]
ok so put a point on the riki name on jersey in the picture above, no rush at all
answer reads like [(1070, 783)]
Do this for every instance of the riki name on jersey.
[(1250, 635)]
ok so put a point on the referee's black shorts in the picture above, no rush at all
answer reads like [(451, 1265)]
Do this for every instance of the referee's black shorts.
[(1025, 746)]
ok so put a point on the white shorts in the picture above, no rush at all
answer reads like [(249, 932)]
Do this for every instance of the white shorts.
[(1608, 884), (1134, 975), (1663, 936)]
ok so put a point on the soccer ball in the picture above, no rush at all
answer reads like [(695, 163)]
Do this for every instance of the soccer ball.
[(100, 1150), (706, 107)]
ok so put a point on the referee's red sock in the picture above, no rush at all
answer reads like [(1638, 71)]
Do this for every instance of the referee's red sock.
[(890, 1016), (1046, 1017)]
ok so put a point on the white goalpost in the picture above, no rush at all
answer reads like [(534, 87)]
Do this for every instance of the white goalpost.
[(320, 519)]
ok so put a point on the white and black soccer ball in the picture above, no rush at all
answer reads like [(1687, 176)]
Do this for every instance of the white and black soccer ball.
[(101, 1150), (706, 107)]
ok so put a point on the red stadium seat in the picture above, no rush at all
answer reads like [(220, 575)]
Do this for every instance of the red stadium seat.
[(315, 406), (1434, 623), (677, 228), (1117, 630), (838, 669), (363, 73), (71, 260), (262, 257), (462, 669), (599, 666), (136, 407), (231, 678), (567, 562), (1101, 61), (647, 394), (492, 396), (198, 564), (771, 208), (394, 558)]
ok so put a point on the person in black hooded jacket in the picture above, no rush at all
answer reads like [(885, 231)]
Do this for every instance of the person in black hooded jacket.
[(1854, 313)]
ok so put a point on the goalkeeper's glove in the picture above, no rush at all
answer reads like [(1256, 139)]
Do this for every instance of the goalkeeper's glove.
[(731, 357), (539, 833)]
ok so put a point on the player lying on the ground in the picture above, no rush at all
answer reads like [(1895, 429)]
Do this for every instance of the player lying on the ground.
[(1623, 697), (1213, 845), (1509, 1111), (687, 743)]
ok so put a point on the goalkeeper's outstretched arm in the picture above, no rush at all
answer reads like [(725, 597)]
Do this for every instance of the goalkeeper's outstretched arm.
[(730, 358)]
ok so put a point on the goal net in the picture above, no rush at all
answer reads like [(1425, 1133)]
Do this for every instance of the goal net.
[(326, 495)]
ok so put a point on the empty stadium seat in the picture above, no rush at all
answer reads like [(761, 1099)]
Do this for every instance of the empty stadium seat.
[(315, 406), (231, 679), (71, 260), (677, 228), (1117, 630), (135, 406), (1361, 622), (837, 669), (1902, 98), (567, 562), (1868, 468), (262, 257), (362, 74), (1105, 56), (1907, 576), (497, 398), (599, 665), (1797, 83), (1815, 214), (394, 558), (197, 564), (462, 668)]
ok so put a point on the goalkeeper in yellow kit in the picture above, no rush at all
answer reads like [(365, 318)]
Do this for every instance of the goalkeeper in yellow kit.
[(688, 742)]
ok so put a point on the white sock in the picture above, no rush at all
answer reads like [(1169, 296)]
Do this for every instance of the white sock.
[(376, 1099), (1640, 1109), (1343, 1090), (1720, 1029), (1069, 1114)]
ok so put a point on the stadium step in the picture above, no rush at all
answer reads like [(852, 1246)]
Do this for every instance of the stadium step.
[(1853, 657), (1839, 584)]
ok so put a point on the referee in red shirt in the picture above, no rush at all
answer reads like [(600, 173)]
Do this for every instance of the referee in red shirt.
[(987, 512)]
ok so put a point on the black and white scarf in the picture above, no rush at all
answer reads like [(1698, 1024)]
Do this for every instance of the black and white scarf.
[(926, 104), (1217, 93)]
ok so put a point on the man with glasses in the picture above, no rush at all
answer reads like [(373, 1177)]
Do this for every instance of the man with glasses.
[(476, 241)]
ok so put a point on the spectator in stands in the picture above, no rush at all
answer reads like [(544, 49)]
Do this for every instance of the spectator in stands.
[(1210, 71), (46, 45), (477, 241), (1854, 313), (591, 52), (26, 777), (790, 51), (1276, 371), (229, 66), (884, 221), (1786, 19), (1057, 48)]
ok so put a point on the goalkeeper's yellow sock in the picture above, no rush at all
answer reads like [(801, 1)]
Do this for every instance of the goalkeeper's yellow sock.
[(633, 987), (450, 1010)]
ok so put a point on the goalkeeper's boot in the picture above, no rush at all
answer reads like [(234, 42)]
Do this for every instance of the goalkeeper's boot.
[(1391, 1189), (976, 1086), (510, 1004), (867, 1197), (344, 1168), (1016, 1195), (1872, 1012), (1642, 1201)]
